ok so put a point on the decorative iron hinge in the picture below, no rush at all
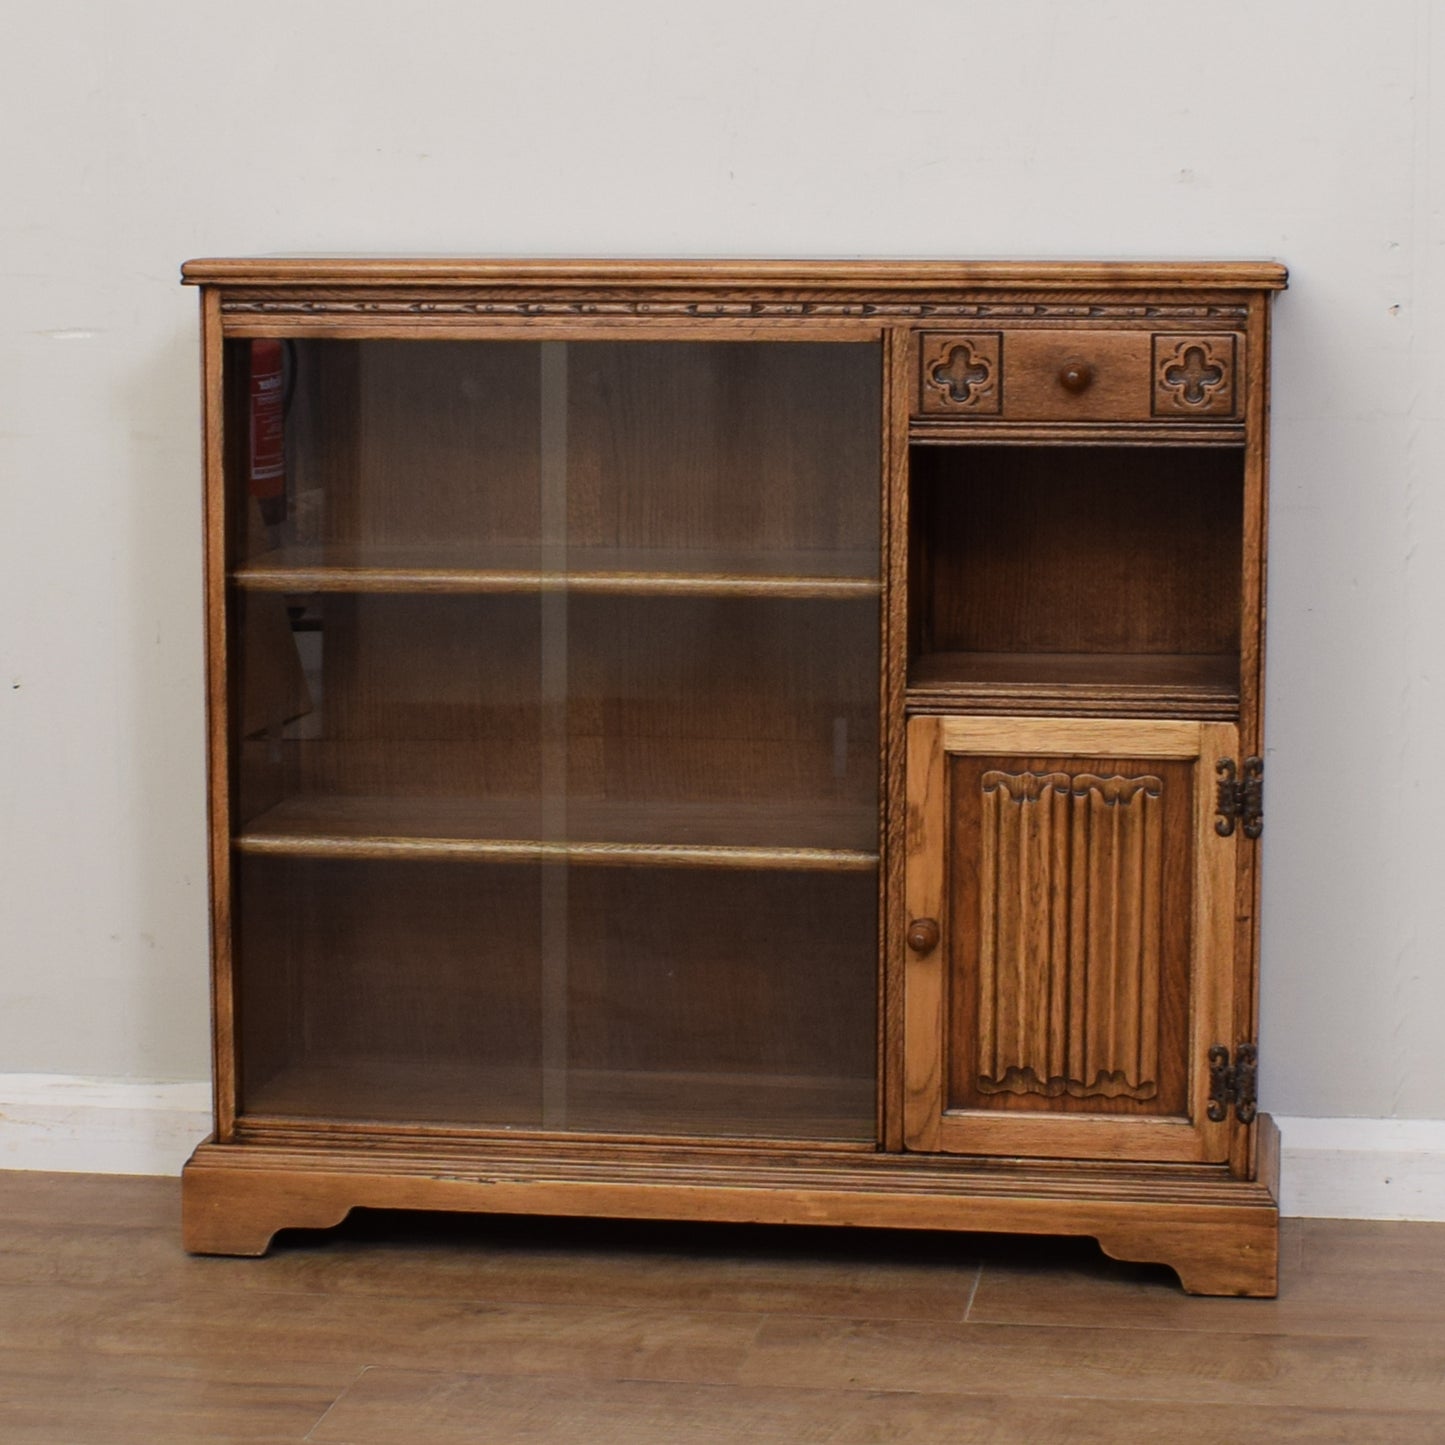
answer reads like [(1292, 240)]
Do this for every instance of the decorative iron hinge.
[(1233, 1083), (1240, 799)]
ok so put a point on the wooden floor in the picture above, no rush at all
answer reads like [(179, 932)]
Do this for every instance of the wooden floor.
[(402, 1328)]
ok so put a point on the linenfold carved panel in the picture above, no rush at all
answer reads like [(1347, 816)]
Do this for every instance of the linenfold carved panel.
[(1072, 883)]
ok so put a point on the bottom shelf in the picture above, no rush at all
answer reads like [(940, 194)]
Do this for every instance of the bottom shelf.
[(1191, 684), (600, 1101)]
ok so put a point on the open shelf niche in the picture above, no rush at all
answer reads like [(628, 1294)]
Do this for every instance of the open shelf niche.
[(1057, 578)]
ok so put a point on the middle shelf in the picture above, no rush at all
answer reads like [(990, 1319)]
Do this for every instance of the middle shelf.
[(441, 568), (831, 837)]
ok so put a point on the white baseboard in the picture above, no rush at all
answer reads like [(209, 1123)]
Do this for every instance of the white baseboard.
[(1330, 1168), (100, 1126), (1362, 1168)]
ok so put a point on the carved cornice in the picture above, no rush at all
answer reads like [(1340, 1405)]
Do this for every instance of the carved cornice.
[(326, 304)]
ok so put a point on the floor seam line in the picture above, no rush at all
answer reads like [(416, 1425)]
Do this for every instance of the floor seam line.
[(973, 1294), (344, 1392)]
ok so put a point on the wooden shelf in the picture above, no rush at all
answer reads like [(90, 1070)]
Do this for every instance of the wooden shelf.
[(801, 836), (1193, 684), (372, 567), (431, 1092)]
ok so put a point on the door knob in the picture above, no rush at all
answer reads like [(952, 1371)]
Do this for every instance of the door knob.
[(923, 935)]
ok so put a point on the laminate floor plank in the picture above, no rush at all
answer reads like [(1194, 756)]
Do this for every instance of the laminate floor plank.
[(387, 1406), (418, 1328), (1344, 1372), (302, 1332), (116, 1201), (67, 1398), (1358, 1245)]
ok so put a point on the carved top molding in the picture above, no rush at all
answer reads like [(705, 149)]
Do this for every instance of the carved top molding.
[(874, 279)]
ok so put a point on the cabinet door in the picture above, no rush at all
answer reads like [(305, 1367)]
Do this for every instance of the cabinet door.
[(1082, 959)]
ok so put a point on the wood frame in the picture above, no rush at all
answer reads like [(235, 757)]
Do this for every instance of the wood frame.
[(1215, 1222)]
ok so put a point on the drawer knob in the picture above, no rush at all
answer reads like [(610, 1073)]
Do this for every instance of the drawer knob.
[(1075, 376), (923, 935)]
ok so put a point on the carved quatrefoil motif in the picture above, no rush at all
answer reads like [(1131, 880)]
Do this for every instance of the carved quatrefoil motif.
[(1194, 374), (962, 373)]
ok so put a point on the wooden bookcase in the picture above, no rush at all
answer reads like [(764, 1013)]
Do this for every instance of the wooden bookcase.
[(766, 741)]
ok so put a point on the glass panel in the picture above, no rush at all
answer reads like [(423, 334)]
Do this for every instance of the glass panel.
[(393, 456), (723, 700), (745, 459), (721, 1003), (366, 714), (389, 990), (557, 674), (733, 999)]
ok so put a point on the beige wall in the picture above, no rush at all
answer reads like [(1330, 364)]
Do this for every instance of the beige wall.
[(137, 134)]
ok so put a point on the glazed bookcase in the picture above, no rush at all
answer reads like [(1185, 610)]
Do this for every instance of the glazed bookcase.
[(759, 741)]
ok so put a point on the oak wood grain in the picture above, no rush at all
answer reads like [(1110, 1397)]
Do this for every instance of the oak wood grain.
[(924, 972), (1251, 713), (1084, 736)]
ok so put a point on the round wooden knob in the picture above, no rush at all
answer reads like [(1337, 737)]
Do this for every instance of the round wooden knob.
[(923, 935), (1075, 376)]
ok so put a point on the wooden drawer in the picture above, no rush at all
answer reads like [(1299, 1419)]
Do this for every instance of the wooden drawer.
[(1049, 375)]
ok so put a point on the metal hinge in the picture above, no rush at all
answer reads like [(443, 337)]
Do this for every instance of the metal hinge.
[(1233, 1083), (1240, 799)]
